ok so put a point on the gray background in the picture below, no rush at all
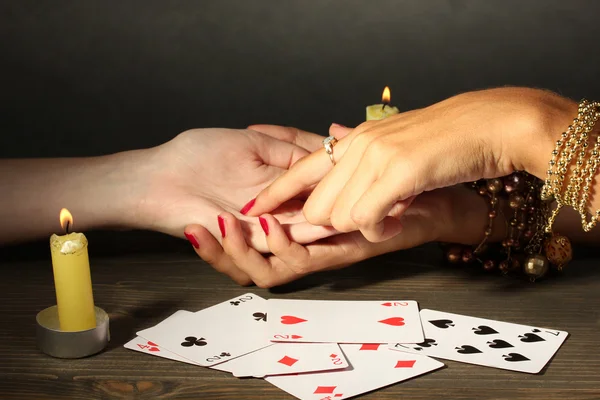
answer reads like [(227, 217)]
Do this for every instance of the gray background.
[(94, 77)]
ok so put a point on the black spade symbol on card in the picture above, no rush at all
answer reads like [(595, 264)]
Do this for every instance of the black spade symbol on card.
[(531, 337), (466, 349), (426, 343), (484, 330), (535, 330), (515, 357), (442, 323), (258, 316), (193, 341), (499, 344)]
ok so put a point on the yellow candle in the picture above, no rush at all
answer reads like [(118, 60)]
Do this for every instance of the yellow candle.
[(72, 280), (381, 111)]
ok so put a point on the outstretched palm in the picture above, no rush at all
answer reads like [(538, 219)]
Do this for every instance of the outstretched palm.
[(204, 172)]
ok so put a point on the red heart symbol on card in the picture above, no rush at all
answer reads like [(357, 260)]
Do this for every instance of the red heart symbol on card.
[(388, 304), (296, 337), (153, 349), (152, 344), (395, 321), (291, 320)]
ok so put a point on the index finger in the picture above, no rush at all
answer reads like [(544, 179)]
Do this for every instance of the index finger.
[(302, 175)]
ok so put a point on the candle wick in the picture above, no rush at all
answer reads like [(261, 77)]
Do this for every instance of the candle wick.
[(383, 106), (67, 227)]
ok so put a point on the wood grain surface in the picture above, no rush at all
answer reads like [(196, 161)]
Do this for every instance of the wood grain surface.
[(140, 289)]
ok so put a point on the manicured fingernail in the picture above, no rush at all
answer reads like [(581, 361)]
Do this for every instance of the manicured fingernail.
[(192, 239), (248, 206), (338, 125), (221, 225), (264, 225)]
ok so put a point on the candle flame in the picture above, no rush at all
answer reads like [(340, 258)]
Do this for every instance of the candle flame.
[(386, 97), (66, 219)]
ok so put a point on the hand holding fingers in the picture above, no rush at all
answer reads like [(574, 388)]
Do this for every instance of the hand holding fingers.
[(259, 269)]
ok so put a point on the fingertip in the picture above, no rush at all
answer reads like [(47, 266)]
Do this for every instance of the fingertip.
[(339, 131)]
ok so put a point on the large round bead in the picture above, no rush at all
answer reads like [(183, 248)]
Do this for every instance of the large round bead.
[(558, 250), (535, 266)]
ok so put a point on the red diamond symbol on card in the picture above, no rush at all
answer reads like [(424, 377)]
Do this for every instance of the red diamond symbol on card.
[(370, 346), (153, 349), (289, 361), (333, 355), (338, 395), (405, 364), (324, 389)]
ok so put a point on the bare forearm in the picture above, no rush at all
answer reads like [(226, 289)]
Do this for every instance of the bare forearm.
[(96, 190)]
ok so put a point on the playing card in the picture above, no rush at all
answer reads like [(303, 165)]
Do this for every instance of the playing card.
[(372, 366), (287, 358), (216, 334), (486, 342), (145, 346), (344, 321)]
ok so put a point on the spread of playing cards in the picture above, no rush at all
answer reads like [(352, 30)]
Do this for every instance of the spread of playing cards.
[(321, 350)]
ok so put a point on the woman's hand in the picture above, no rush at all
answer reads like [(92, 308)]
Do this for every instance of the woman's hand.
[(204, 172), (382, 165), (454, 214)]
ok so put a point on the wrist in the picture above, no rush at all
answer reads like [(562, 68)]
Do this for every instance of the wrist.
[(469, 218), (541, 123), (113, 189)]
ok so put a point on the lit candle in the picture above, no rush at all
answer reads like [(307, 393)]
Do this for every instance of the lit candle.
[(72, 280), (381, 111)]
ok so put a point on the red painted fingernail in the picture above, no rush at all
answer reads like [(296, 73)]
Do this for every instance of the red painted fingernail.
[(221, 225), (192, 239), (264, 225), (248, 206), (338, 125)]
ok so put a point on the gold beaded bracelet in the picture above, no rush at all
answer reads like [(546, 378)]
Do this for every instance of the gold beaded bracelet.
[(574, 140)]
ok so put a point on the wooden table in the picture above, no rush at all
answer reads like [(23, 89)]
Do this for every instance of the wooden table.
[(141, 284)]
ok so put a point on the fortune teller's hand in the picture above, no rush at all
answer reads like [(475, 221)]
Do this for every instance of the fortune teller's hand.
[(455, 214), (382, 165), (204, 172)]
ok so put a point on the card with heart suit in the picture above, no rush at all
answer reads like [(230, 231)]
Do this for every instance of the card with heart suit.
[(486, 342), (216, 334), (287, 358), (145, 346), (344, 321), (372, 366)]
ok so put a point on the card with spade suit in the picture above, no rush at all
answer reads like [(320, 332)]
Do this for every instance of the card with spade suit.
[(373, 366), (215, 334), (486, 342), (344, 321)]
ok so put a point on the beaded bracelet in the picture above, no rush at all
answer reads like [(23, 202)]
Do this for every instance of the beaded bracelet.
[(526, 247)]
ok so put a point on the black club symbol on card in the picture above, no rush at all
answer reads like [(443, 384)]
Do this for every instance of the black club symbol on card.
[(258, 316), (426, 343), (234, 303), (193, 341), (224, 354)]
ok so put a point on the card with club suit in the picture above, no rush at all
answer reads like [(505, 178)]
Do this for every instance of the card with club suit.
[(216, 334)]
